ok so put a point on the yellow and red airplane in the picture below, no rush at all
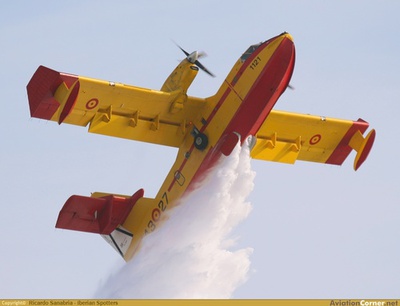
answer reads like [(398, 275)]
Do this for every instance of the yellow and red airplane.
[(201, 128)]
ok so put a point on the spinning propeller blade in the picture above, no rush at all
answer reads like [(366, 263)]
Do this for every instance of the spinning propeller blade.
[(193, 58)]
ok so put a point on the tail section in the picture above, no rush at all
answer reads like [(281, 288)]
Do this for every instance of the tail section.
[(102, 214), (120, 239), (121, 220)]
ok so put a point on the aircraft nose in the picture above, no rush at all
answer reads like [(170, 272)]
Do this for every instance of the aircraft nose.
[(287, 35)]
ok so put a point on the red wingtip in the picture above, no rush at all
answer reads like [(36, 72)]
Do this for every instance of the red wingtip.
[(40, 93), (364, 151), (41, 89)]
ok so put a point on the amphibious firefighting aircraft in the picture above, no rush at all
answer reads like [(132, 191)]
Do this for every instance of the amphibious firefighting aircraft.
[(202, 129)]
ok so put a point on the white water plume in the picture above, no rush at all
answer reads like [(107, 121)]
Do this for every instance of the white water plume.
[(192, 255)]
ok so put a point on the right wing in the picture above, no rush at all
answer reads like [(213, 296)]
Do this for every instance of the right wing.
[(110, 108), (287, 137)]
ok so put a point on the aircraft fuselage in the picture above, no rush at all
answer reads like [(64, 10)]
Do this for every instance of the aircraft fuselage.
[(235, 112)]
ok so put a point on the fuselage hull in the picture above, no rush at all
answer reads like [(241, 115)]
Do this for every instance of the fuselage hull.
[(237, 111)]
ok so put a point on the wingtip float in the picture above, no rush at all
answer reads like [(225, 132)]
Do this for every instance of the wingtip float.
[(201, 128)]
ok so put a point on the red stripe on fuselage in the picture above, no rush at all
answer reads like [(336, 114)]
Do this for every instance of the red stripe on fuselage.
[(210, 117)]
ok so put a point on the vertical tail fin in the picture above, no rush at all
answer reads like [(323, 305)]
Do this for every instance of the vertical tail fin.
[(120, 239)]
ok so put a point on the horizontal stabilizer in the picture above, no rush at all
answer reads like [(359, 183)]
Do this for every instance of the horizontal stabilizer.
[(96, 215)]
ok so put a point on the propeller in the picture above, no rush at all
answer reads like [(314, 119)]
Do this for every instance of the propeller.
[(193, 58)]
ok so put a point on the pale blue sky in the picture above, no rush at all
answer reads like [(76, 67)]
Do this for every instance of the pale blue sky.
[(317, 231)]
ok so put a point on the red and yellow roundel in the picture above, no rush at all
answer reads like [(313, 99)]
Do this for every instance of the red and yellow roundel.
[(315, 139), (92, 103), (155, 215)]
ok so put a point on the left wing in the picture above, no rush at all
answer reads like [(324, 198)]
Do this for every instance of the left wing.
[(110, 108), (287, 137)]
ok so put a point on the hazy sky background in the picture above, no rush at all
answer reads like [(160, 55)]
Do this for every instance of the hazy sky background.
[(317, 231)]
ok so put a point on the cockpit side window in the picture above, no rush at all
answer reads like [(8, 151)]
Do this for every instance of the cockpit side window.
[(249, 51)]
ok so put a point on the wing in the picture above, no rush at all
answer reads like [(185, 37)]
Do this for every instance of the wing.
[(110, 108), (287, 137)]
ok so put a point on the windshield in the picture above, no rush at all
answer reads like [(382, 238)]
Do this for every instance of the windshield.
[(249, 51)]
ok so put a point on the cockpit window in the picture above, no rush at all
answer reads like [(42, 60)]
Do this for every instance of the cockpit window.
[(249, 51)]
